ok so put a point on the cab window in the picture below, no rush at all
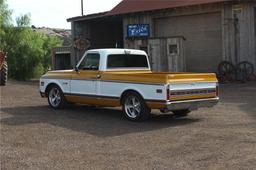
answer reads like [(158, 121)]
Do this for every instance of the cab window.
[(90, 62), (127, 61)]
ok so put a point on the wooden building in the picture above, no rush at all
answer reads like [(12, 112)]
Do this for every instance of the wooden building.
[(184, 35)]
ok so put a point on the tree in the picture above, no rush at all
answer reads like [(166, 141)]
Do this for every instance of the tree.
[(5, 14), (5, 21), (23, 20), (29, 52)]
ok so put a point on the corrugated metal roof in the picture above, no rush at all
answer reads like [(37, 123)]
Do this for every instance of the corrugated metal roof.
[(131, 6)]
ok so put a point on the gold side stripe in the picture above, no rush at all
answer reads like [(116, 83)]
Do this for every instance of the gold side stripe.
[(118, 81), (97, 101)]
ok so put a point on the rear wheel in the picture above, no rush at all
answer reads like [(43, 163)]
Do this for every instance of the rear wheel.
[(134, 107), (181, 113), (56, 98), (3, 74)]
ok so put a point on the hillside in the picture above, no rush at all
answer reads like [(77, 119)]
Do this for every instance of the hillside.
[(64, 34)]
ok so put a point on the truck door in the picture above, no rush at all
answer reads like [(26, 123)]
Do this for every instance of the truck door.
[(84, 81)]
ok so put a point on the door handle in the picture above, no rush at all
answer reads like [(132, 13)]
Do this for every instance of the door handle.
[(96, 77)]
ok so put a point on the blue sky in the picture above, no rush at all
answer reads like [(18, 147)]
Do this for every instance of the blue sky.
[(53, 13)]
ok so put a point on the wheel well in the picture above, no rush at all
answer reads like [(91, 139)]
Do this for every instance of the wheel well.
[(49, 87), (127, 92)]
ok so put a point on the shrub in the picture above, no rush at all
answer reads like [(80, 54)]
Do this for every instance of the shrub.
[(29, 52)]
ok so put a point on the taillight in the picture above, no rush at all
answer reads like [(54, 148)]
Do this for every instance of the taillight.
[(217, 89), (168, 92)]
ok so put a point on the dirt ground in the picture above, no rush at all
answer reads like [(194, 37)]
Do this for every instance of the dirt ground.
[(34, 136)]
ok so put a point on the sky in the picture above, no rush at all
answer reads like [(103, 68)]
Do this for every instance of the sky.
[(53, 13)]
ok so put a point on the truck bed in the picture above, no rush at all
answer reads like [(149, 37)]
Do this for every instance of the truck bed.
[(158, 77), (181, 86)]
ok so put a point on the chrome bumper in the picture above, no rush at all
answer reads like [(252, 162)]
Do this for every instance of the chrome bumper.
[(192, 104)]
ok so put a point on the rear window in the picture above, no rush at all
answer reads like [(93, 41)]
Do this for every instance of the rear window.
[(127, 61)]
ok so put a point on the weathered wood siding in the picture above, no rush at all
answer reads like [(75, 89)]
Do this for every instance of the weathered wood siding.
[(79, 29), (232, 45), (239, 42), (199, 25), (229, 39), (203, 38)]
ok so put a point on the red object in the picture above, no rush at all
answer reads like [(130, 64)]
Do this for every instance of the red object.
[(2, 59), (217, 90), (131, 6), (168, 94)]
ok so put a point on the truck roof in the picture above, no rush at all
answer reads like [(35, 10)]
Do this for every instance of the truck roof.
[(108, 51), (104, 53)]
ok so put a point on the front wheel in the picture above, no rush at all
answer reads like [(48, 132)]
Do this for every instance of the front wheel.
[(134, 107), (56, 98)]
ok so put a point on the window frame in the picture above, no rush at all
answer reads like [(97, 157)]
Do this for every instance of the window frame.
[(84, 57), (128, 68)]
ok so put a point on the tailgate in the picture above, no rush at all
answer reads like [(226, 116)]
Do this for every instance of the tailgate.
[(192, 86)]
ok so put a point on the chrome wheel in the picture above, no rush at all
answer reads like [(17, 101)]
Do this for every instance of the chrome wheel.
[(54, 97), (132, 107)]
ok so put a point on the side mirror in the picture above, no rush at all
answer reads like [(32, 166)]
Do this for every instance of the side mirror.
[(76, 69)]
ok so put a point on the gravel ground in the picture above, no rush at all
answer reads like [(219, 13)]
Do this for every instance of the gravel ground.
[(34, 136)]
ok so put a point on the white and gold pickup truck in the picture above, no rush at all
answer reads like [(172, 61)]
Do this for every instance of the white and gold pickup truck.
[(122, 77)]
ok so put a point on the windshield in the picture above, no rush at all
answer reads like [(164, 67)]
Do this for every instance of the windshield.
[(127, 61), (90, 62)]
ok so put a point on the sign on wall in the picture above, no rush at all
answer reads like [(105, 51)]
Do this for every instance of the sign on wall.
[(138, 30)]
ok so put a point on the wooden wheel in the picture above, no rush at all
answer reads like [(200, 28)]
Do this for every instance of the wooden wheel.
[(244, 70), (226, 67), (226, 71)]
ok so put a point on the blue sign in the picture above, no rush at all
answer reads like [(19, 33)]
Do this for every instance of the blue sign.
[(138, 30)]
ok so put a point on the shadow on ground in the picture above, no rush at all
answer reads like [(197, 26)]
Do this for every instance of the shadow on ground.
[(102, 122), (242, 94)]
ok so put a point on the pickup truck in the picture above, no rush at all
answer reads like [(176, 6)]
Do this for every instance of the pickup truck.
[(122, 77)]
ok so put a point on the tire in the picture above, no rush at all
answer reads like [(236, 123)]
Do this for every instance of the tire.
[(56, 98), (4, 74), (181, 113), (134, 107)]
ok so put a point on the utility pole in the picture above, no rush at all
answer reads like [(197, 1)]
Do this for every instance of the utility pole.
[(82, 7)]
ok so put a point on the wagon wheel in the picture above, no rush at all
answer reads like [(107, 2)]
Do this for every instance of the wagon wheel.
[(244, 70), (226, 71), (226, 67)]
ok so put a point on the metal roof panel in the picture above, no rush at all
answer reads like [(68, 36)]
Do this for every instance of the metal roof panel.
[(132, 6)]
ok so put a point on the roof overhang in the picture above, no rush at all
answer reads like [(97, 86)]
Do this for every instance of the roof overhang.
[(136, 6), (88, 17), (132, 6)]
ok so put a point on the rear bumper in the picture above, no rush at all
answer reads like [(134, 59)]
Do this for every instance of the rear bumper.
[(192, 104)]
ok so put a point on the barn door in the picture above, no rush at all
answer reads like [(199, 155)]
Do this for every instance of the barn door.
[(203, 45), (175, 55), (154, 54)]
